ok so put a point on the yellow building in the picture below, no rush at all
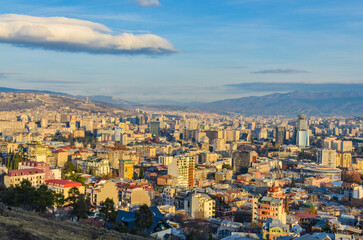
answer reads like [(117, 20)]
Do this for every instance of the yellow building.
[(101, 190), (201, 206), (78, 133), (38, 152), (358, 163), (126, 169), (167, 209), (61, 157), (344, 160), (124, 126), (35, 176), (273, 229)]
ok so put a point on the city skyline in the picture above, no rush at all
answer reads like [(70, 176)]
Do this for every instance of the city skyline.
[(186, 51)]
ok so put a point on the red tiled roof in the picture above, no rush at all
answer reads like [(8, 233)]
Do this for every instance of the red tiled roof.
[(65, 183), (59, 151), (166, 176)]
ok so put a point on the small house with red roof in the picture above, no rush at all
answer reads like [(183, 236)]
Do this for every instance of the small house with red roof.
[(63, 186)]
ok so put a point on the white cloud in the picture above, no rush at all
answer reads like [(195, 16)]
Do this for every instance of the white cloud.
[(73, 35), (148, 3), (280, 71)]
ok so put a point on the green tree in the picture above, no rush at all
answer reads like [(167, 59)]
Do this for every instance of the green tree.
[(13, 160), (68, 168), (227, 166), (144, 218), (25, 194), (8, 196), (59, 199), (107, 211), (9, 161), (73, 195), (81, 208), (44, 198), (141, 173), (76, 177), (293, 183), (122, 228)]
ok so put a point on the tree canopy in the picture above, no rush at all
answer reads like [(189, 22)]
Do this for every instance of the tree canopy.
[(68, 168), (76, 177), (80, 207), (227, 166), (13, 160), (144, 217), (108, 211), (29, 197)]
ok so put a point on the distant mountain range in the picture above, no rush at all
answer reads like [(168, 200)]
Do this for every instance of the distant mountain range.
[(4, 89), (291, 104), (342, 103)]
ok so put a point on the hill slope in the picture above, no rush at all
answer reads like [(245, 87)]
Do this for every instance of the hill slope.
[(294, 103), (22, 101), (14, 90), (29, 226)]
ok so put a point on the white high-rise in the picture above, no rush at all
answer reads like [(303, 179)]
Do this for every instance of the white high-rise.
[(302, 131), (327, 157)]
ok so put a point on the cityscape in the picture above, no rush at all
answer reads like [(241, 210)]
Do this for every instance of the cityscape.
[(153, 119)]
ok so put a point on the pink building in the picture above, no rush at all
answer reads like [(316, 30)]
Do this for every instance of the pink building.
[(49, 174), (317, 181)]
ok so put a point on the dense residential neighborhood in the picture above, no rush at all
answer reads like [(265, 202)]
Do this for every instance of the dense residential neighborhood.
[(182, 175)]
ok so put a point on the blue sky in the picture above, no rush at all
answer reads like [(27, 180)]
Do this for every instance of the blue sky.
[(203, 46)]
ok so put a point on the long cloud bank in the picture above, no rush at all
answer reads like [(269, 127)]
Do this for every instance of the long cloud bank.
[(73, 35)]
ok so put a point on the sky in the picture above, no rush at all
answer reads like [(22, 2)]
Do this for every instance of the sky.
[(179, 51)]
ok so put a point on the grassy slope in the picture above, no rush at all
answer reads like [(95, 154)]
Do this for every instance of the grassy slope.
[(30, 226)]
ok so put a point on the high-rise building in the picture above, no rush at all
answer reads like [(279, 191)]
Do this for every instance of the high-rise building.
[(214, 135), (262, 133), (344, 159), (165, 160), (155, 127), (126, 169), (183, 169), (192, 124), (327, 157), (117, 134), (219, 144), (346, 146), (302, 123), (280, 134), (302, 131), (243, 160)]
